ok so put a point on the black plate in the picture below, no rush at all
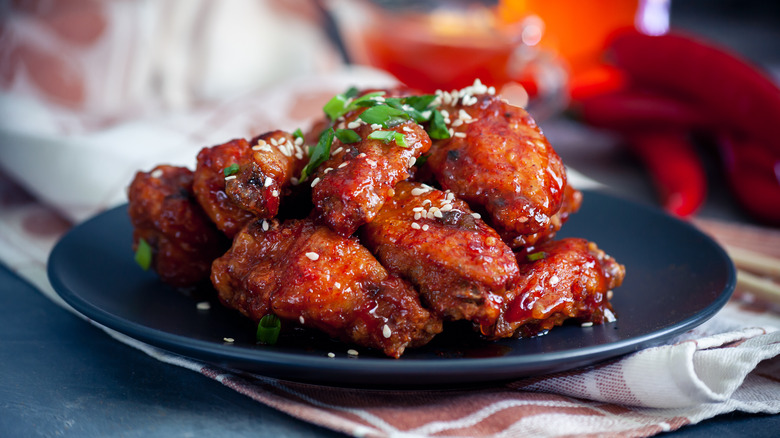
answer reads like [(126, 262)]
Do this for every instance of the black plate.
[(677, 278)]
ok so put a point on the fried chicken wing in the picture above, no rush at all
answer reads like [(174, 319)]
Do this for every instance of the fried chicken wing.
[(209, 185), (309, 274), (572, 278), (358, 178), (164, 213), (499, 162), (265, 174), (460, 265), (572, 200)]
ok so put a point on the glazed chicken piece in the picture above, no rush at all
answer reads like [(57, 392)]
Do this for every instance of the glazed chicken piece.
[(164, 213), (572, 200), (209, 185), (309, 274), (560, 280), (240, 180), (349, 189), (460, 266), (265, 175), (499, 162)]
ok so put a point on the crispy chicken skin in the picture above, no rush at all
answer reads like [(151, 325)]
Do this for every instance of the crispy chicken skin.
[(265, 173), (572, 280), (460, 266), (309, 274), (209, 185), (572, 200), (500, 163), (164, 213), (350, 188)]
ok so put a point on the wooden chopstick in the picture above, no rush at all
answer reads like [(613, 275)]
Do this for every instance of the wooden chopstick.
[(755, 273)]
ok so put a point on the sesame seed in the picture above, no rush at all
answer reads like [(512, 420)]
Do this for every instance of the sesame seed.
[(437, 213), (331, 355), (301, 320), (294, 180), (425, 227), (156, 173), (476, 215), (417, 216), (361, 155), (427, 202), (344, 164), (275, 193), (587, 324), (490, 241), (416, 226), (261, 142), (430, 215), (299, 141), (418, 209), (229, 178), (376, 126), (315, 181), (452, 132), (338, 149), (229, 340), (418, 191), (204, 305), (450, 196), (610, 294), (371, 163), (411, 161), (337, 284), (457, 122), (408, 129), (386, 332), (312, 255), (275, 142), (265, 226), (554, 280), (329, 169), (354, 124), (446, 207), (445, 113), (268, 181), (352, 352)]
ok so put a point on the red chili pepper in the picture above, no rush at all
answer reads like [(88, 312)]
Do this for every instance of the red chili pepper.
[(754, 176), (675, 167), (632, 110), (738, 96)]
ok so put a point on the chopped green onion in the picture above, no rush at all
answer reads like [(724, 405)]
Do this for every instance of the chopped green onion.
[(420, 103), (347, 136), (388, 136), (351, 92), (318, 154), (421, 160), (298, 133), (438, 129), (534, 256), (384, 115), (230, 170), (143, 254), (335, 107), (268, 329)]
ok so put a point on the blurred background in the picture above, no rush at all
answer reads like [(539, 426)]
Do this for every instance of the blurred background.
[(80, 77)]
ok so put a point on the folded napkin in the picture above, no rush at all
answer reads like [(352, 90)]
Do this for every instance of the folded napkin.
[(730, 363)]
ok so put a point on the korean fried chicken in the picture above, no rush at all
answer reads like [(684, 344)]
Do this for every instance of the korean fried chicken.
[(350, 187), (240, 180), (209, 185), (309, 274), (165, 215), (559, 280), (499, 162), (460, 266)]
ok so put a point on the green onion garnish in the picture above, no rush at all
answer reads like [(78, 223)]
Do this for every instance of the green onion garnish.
[(268, 329), (318, 154), (438, 129), (421, 160), (298, 133), (230, 170), (534, 256), (347, 136), (388, 136), (143, 254), (341, 104), (384, 115)]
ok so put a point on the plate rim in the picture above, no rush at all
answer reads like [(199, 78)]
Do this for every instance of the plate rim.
[(212, 352)]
